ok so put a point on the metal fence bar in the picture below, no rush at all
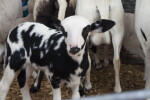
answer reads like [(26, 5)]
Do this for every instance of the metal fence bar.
[(131, 95)]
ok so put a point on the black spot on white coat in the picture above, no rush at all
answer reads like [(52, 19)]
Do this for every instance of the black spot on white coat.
[(144, 35), (17, 59), (13, 36)]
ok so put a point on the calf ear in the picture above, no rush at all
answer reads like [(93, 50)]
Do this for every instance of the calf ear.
[(85, 31), (51, 22), (103, 25)]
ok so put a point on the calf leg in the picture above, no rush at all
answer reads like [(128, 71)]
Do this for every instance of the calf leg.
[(23, 82), (146, 63), (55, 82), (103, 9), (6, 81), (75, 91), (81, 90), (117, 41), (97, 63), (106, 61), (147, 67), (2, 58), (1, 52), (56, 93), (87, 77), (36, 86), (1, 48)]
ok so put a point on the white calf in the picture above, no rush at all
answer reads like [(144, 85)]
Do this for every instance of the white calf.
[(105, 9), (11, 15), (10, 11), (142, 28)]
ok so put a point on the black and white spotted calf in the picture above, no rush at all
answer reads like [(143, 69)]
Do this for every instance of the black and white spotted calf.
[(43, 11), (61, 53)]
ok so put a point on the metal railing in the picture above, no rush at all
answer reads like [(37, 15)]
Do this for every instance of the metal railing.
[(131, 95)]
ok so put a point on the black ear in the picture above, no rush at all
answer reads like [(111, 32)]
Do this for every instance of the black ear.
[(103, 25), (85, 31), (49, 21)]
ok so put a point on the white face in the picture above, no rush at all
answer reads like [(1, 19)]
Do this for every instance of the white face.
[(76, 33), (77, 30)]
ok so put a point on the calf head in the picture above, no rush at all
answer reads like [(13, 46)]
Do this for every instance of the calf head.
[(76, 30)]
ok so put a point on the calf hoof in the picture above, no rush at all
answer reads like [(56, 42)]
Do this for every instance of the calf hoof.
[(33, 89), (97, 66), (117, 89), (81, 91), (88, 86), (106, 63)]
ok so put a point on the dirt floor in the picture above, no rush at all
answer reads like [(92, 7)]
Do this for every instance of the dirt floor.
[(131, 76)]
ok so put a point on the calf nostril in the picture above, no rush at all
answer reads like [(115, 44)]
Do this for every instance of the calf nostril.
[(74, 50), (73, 46)]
